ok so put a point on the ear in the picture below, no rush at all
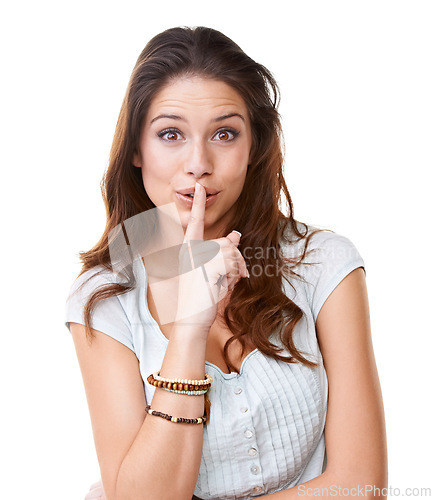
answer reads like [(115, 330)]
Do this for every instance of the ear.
[(136, 160)]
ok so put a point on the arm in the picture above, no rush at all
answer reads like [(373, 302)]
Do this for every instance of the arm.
[(355, 426), (146, 457), (141, 457)]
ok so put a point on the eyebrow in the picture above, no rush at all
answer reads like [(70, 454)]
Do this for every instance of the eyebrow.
[(230, 115), (173, 117), (177, 117)]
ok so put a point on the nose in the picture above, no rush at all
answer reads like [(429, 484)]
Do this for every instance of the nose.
[(198, 162)]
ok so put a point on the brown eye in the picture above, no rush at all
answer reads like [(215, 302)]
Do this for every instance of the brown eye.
[(172, 136), (223, 136)]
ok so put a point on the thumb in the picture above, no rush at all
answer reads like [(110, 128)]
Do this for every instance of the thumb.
[(234, 236)]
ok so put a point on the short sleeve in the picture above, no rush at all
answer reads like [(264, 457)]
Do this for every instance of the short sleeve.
[(108, 315), (333, 256)]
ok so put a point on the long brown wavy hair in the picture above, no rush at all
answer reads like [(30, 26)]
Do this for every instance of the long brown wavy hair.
[(258, 306)]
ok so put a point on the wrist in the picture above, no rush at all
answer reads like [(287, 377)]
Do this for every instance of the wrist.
[(189, 331), (185, 356)]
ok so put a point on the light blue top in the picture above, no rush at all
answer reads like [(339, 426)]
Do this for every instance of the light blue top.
[(266, 431)]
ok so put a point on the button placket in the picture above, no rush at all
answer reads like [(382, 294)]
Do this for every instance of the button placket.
[(249, 438), (240, 397), (254, 468)]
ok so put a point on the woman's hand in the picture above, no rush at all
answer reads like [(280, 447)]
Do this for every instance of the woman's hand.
[(208, 269)]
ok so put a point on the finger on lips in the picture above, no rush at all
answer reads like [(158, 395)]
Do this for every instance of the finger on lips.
[(195, 227)]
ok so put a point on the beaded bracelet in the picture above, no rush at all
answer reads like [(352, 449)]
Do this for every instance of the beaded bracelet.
[(177, 385), (178, 420), (206, 381), (188, 393)]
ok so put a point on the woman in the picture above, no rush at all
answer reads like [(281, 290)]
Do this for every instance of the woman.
[(200, 280)]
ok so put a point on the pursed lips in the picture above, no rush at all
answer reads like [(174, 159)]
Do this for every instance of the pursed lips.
[(191, 191)]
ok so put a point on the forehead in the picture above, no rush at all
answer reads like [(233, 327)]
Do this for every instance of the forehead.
[(197, 94)]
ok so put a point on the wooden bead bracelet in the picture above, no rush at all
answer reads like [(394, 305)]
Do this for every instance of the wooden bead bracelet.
[(208, 380), (177, 420), (179, 384)]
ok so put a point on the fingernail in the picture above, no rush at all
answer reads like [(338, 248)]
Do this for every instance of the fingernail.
[(248, 275), (238, 232), (198, 186)]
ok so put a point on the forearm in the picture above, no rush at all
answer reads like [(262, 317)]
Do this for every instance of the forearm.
[(164, 459)]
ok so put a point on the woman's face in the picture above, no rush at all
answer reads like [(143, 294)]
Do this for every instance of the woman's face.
[(196, 129)]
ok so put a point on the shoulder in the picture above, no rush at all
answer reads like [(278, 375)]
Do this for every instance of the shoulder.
[(112, 313), (322, 258), (99, 277), (320, 244), (88, 281)]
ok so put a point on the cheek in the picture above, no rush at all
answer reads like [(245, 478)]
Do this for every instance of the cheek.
[(234, 163), (157, 165)]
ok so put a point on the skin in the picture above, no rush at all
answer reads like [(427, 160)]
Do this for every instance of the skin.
[(196, 147)]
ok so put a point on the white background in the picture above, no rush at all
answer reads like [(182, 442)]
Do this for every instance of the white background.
[(356, 84)]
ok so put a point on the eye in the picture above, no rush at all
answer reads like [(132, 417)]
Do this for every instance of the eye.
[(170, 135), (226, 135)]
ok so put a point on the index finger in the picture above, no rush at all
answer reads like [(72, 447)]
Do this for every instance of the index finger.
[(195, 227)]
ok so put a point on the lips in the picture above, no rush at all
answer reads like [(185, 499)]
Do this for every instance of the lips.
[(191, 190), (187, 199), (192, 195)]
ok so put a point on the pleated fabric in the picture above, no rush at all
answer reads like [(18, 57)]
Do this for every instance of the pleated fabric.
[(266, 423)]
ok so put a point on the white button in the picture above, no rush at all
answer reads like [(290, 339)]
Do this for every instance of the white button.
[(255, 469), (243, 409), (248, 433), (238, 390), (252, 452), (257, 489)]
